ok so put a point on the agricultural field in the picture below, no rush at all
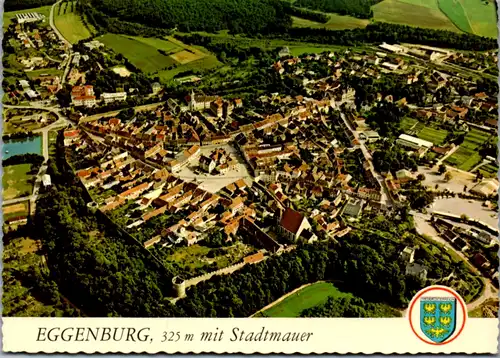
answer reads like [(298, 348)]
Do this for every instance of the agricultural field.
[(69, 23), (475, 16), (165, 57), (16, 181), (15, 210), (336, 22), (456, 13), (10, 16), (307, 297), (464, 159), (482, 16), (419, 13), (475, 138), (436, 136), (467, 157), (489, 170)]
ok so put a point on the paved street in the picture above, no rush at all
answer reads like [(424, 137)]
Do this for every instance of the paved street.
[(425, 228), (385, 197)]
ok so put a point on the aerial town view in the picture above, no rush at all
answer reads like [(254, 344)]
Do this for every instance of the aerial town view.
[(252, 158)]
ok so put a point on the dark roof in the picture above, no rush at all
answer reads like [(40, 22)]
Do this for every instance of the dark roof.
[(291, 220)]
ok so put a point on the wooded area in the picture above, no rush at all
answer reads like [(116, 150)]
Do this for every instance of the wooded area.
[(240, 16), (13, 5), (356, 8)]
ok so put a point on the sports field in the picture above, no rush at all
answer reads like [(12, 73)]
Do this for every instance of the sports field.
[(69, 23), (16, 181), (336, 22), (307, 297), (419, 13), (165, 57)]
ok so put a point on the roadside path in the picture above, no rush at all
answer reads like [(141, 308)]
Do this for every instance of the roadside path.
[(425, 228)]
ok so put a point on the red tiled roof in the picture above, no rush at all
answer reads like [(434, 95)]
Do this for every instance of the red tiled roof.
[(291, 220)]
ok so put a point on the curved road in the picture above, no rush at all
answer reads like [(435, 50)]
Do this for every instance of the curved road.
[(424, 228), (53, 26)]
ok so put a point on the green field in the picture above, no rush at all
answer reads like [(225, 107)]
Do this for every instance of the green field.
[(44, 71), (69, 23), (8, 17), (474, 139), (419, 13), (456, 13), (482, 16), (408, 123), (467, 156), (144, 53), (489, 170), (141, 54), (336, 22), (436, 136), (307, 297), (464, 159), (16, 181)]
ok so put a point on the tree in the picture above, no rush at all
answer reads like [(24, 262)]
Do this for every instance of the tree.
[(442, 169), (421, 177), (464, 218), (448, 176)]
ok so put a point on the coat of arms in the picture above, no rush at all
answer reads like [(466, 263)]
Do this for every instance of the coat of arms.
[(438, 317)]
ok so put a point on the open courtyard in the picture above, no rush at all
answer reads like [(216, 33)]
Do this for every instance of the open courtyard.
[(214, 183)]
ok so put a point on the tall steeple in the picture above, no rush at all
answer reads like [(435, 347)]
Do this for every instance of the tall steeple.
[(192, 103)]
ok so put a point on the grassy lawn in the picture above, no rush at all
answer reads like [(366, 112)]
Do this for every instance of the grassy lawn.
[(52, 143), (407, 123), (336, 22), (456, 13), (308, 297), (192, 258), (144, 53), (141, 54), (206, 63), (16, 181), (70, 24), (436, 136), (419, 13), (44, 71), (10, 16), (157, 43), (482, 17)]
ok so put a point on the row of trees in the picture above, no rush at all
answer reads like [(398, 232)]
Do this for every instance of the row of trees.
[(383, 32), (30, 158), (357, 8), (14, 5), (306, 13)]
